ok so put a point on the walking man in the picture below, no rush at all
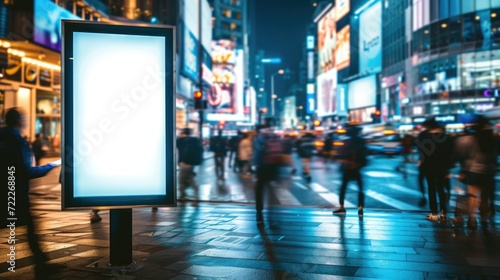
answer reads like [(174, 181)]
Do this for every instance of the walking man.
[(352, 158)]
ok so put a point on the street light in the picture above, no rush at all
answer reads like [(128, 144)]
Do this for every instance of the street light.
[(274, 96)]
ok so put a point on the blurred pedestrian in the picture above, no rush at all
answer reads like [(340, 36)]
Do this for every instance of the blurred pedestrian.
[(305, 151), (407, 149), (435, 149), (328, 149), (477, 154), (218, 145), (190, 151), (233, 151), (287, 153), (245, 155), (38, 148), (16, 163), (267, 157), (352, 158)]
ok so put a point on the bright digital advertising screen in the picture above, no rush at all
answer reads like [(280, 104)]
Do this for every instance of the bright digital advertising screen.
[(118, 116), (326, 41), (343, 49), (362, 92), (226, 96), (47, 26), (327, 93), (370, 39)]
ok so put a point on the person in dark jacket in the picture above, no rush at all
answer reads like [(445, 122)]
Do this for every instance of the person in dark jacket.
[(17, 170), (190, 154), (218, 145), (435, 148), (352, 158), (37, 147)]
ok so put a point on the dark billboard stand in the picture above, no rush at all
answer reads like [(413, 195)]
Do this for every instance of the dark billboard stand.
[(147, 178)]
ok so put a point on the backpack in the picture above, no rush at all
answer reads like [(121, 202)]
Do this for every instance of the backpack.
[(193, 151), (273, 150)]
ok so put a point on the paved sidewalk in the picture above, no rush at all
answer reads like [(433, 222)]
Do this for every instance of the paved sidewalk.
[(222, 241)]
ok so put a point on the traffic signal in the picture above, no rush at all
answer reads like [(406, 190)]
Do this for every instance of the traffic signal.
[(198, 100), (317, 123), (376, 116), (222, 123)]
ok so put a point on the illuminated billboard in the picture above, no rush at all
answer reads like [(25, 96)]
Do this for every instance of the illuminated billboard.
[(343, 49), (326, 41), (362, 92), (225, 98), (311, 101), (47, 26), (370, 39), (118, 116), (327, 93), (342, 7)]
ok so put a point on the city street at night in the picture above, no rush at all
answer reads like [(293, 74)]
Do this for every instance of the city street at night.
[(249, 139)]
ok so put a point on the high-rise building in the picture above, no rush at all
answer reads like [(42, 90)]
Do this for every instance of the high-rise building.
[(259, 80)]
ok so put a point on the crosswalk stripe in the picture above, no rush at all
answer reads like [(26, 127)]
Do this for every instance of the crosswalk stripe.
[(296, 177), (333, 199), (285, 197), (388, 200), (318, 188), (404, 189), (301, 186)]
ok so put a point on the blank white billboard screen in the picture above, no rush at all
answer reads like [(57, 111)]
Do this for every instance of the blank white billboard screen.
[(119, 115)]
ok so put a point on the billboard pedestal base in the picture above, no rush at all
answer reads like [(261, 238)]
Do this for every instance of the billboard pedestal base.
[(120, 237)]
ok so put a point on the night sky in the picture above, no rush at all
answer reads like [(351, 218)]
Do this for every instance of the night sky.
[(281, 29)]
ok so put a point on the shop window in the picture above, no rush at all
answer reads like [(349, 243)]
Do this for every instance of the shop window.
[(238, 16), (483, 24), (234, 26), (227, 13), (455, 31)]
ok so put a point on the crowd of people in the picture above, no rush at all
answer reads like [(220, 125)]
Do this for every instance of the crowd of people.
[(263, 153)]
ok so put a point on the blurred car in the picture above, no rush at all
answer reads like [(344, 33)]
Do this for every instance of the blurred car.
[(386, 143), (336, 138)]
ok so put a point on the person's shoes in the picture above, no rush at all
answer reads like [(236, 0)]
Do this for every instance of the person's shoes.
[(472, 223), (422, 202), (432, 217), (94, 217), (340, 211), (442, 217), (154, 209), (259, 218), (360, 213)]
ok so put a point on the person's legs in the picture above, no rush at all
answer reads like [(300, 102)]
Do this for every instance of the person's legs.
[(262, 180), (361, 194), (38, 255), (183, 179), (431, 184), (421, 185), (345, 180), (443, 199), (190, 180), (474, 193)]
